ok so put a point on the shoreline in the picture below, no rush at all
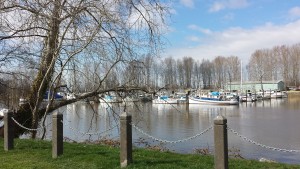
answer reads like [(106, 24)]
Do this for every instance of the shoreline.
[(293, 93)]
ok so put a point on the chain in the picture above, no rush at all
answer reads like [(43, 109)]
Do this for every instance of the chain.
[(82, 133), (167, 141), (261, 145), (20, 125)]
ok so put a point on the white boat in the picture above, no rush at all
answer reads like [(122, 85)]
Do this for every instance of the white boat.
[(249, 97), (70, 96), (164, 100), (195, 100), (214, 98), (2, 111), (276, 94), (262, 96), (169, 100), (110, 99)]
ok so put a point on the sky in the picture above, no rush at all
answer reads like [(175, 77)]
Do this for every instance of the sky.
[(204, 29)]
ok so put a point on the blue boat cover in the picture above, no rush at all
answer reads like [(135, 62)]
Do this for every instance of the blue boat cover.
[(215, 93)]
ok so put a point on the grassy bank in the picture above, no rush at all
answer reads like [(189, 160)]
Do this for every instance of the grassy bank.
[(293, 93), (37, 154)]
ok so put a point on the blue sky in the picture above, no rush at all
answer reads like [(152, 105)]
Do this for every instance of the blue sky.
[(210, 28)]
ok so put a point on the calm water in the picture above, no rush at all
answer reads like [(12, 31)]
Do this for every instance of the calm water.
[(273, 123)]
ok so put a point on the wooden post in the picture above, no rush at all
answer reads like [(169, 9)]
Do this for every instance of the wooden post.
[(57, 135), (187, 103), (8, 130), (221, 142), (125, 140)]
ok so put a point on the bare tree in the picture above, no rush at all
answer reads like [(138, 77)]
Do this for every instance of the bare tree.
[(52, 33), (206, 69), (180, 74), (233, 65), (283, 58), (295, 65), (196, 80), (169, 68), (257, 65), (188, 63), (219, 70)]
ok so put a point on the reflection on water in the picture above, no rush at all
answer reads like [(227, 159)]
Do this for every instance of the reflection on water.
[(273, 123)]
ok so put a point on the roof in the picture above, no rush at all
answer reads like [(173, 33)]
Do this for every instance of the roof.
[(256, 82)]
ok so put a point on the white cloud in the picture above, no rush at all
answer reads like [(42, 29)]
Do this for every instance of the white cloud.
[(202, 30), (193, 38), (217, 6), (241, 42), (228, 17), (294, 12), (187, 3), (231, 4)]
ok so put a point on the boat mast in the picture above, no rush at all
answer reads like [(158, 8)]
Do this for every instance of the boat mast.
[(241, 77)]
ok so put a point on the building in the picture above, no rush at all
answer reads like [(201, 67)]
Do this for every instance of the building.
[(256, 86)]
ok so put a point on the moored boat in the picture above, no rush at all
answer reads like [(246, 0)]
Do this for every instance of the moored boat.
[(276, 94), (169, 100), (164, 100), (214, 98), (110, 99), (2, 111), (249, 97), (198, 100)]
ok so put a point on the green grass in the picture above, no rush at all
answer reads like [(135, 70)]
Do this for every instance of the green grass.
[(38, 154)]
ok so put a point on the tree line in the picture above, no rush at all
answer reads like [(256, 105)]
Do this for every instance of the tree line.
[(278, 63)]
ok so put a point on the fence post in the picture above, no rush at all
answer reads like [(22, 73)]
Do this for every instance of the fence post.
[(57, 135), (221, 142), (8, 130), (125, 140)]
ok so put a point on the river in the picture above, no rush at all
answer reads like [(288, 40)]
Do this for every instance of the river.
[(273, 123)]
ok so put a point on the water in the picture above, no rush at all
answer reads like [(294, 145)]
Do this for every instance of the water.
[(273, 123)]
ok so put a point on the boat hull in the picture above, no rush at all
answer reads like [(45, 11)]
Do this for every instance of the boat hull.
[(167, 101), (217, 102)]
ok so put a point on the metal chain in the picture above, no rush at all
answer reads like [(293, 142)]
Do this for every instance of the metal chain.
[(20, 125), (167, 141), (261, 145), (82, 133)]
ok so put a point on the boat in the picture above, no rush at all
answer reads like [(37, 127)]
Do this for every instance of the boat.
[(169, 99), (276, 94), (195, 100), (145, 97), (110, 99), (70, 96), (214, 98), (164, 100), (131, 99), (2, 111), (262, 96), (56, 96), (248, 98)]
